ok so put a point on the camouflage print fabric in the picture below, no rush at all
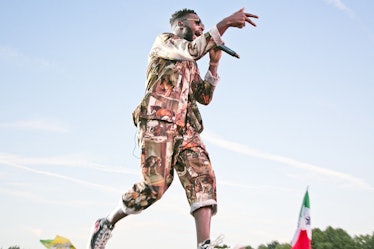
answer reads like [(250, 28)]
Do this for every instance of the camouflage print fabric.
[(173, 85), (164, 148)]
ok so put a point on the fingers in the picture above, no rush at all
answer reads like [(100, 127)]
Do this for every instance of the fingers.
[(243, 18), (248, 20), (251, 15), (251, 22)]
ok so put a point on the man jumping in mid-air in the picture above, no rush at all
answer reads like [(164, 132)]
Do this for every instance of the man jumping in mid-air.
[(169, 123)]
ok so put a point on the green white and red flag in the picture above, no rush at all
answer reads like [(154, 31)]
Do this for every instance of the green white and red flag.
[(303, 235)]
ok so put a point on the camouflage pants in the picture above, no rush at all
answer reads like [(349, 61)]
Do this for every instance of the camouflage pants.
[(165, 149)]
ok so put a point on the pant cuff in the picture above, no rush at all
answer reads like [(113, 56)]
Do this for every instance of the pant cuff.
[(207, 203)]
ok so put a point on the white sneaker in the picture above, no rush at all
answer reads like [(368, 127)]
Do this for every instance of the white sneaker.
[(101, 234), (207, 244)]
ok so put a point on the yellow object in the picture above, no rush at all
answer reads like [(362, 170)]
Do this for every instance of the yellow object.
[(58, 242)]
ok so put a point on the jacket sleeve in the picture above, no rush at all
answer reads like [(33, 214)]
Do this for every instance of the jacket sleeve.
[(203, 89), (171, 47)]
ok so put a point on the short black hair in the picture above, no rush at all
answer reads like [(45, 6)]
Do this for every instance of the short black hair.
[(180, 13)]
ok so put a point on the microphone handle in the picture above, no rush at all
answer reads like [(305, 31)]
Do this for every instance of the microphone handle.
[(228, 50)]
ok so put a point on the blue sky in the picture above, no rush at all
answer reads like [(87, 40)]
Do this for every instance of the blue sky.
[(296, 110)]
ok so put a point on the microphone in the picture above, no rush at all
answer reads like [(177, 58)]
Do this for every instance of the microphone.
[(228, 50)]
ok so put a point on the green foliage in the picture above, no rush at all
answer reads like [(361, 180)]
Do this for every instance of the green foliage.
[(275, 245), (364, 241), (283, 246), (337, 238), (331, 238)]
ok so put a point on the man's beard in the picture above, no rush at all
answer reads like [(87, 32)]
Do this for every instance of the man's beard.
[(188, 34)]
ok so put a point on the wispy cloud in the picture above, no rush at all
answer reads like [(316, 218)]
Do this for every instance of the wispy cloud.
[(18, 57), (34, 231), (33, 165), (341, 6), (245, 150), (263, 188), (338, 4), (37, 125), (64, 161), (29, 194), (64, 177), (30, 164)]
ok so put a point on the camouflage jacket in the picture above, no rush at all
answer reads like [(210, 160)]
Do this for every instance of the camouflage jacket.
[(173, 84)]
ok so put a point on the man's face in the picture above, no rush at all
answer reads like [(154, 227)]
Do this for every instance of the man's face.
[(193, 27)]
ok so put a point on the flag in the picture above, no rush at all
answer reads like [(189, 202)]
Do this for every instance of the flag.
[(58, 242), (303, 235)]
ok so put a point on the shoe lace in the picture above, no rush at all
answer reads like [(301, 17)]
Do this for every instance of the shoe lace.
[(213, 243), (217, 241), (102, 238)]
